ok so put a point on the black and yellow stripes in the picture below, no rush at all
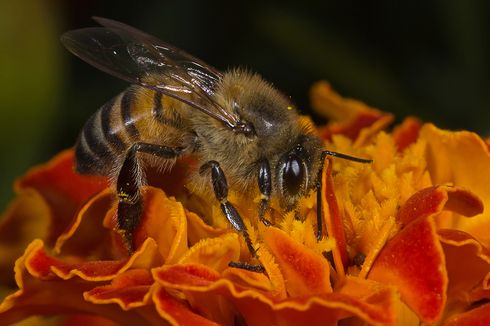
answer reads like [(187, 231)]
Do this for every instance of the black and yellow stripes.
[(157, 111), (136, 115), (164, 111), (127, 106), (97, 144), (109, 132)]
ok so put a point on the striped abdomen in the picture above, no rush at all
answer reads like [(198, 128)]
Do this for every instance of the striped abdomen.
[(137, 114)]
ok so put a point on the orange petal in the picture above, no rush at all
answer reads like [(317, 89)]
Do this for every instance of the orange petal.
[(63, 189), (468, 265), (58, 178), (215, 253), (129, 290), (193, 274), (27, 217), (256, 308), (479, 316), (83, 320), (360, 288), (407, 133), (248, 279), (186, 278), (367, 290), (43, 266), (164, 220), (197, 229), (461, 158), (276, 278), (305, 272), (45, 294), (333, 220), (272, 281), (329, 309), (86, 233), (175, 312), (355, 120), (432, 200), (413, 261)]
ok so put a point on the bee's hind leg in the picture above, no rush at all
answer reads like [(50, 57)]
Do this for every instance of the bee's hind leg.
[(220, 187), (129, 179)]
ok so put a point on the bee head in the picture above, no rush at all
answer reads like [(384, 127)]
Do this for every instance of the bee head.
[(297, 169)]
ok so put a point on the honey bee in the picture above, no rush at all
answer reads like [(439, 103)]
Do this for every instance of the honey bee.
[(246, 134)]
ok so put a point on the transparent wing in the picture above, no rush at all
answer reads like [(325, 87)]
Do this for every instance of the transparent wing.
[(139, 58), (204, 75)]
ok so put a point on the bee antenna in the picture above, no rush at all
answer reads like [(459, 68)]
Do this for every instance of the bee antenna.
[(345, 157)]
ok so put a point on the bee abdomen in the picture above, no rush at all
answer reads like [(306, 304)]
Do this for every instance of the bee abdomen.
[(164, 114), (99, 146), (138, 114)]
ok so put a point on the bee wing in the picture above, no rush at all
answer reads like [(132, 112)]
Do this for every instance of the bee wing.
[(204, 75), (139, 58)]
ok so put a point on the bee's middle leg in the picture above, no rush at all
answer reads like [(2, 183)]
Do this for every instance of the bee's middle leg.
[(129, 180), (220, 187)]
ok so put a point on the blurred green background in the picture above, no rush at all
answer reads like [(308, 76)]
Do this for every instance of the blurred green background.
[(429, 59)]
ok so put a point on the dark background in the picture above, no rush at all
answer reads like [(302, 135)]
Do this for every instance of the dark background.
[(429, 59)]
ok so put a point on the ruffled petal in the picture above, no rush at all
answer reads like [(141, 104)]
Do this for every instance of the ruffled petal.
[(85, 235), (414, 262), (352, 118), (479, 316), (431, 201), (176, 312), (185, 278), (257, 308), (27, 217), (129, 289), (58, 180), (82, 320), (164, 220), (273, 283), (197, 229), (460, 158), (42, 293), (46, 267), (305, 272), (215, 253), (47, 198), (63, 189), (333, 220), (407, 133), (468, 265)]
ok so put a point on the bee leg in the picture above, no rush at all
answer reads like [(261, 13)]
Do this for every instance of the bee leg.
[(265, 188), (247, 266), (128, 185), (319, 221), (220, 187)]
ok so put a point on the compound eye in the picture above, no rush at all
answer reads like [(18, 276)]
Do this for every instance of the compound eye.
[(293, 175)]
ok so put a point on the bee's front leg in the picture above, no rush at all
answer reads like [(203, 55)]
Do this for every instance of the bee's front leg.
[(319, 186), (129, 181), (265, 188)]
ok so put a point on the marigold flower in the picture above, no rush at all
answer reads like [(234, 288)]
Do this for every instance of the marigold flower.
[(407, 239)]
